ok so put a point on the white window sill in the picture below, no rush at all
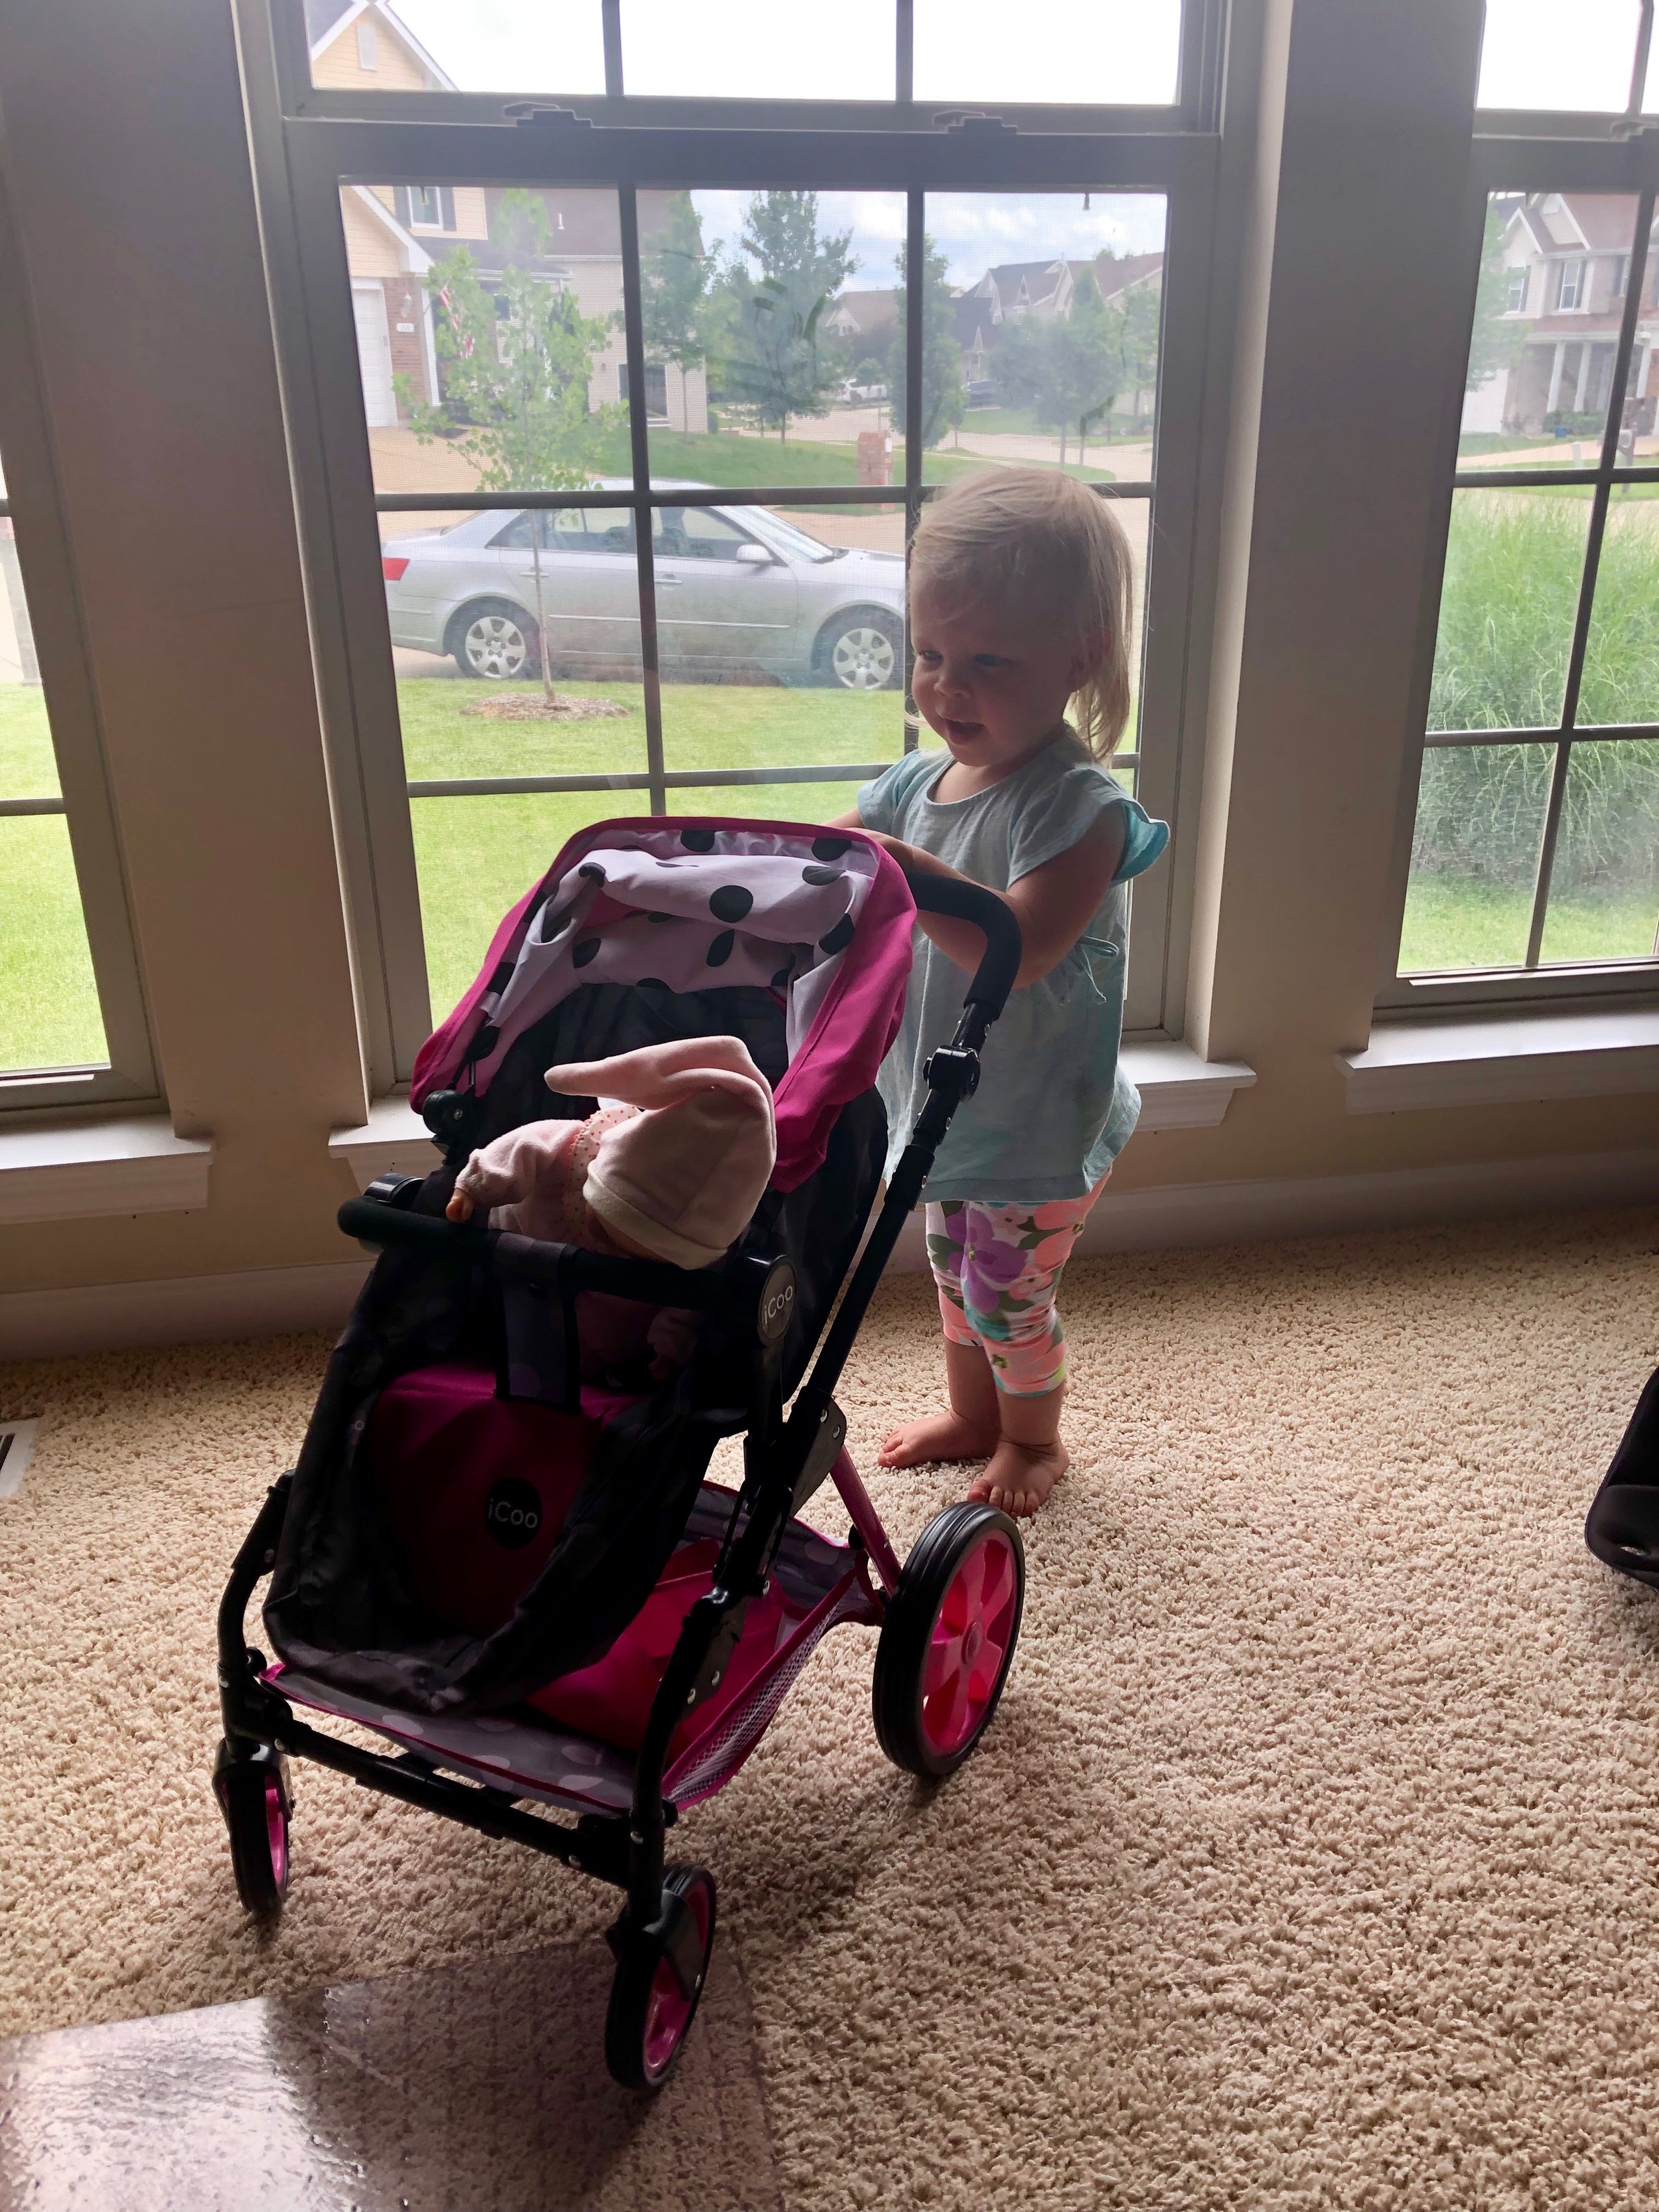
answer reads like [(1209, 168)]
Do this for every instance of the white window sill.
[(1409, 1066), (1179, 1090), (132, 1164), (394, 1139)]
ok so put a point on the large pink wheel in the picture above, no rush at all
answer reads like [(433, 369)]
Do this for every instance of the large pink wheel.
[(250, 1783), (949, 1639), (661, 1972)]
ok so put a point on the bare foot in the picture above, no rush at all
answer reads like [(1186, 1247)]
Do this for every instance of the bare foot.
[(941, 1436), (1020, 1477)]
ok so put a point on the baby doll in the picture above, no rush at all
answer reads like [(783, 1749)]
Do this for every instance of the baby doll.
[(671, 1166)]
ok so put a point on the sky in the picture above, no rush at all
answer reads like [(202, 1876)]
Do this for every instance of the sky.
[(1116, 50), (1547, 53)]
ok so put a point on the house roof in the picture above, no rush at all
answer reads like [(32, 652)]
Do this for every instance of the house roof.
[(326, 19), (870, 311), (1576, 222), (1115, 274)]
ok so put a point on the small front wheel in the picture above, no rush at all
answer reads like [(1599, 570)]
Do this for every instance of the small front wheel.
[(948, 1639), (661, 1972), (249, 1781)]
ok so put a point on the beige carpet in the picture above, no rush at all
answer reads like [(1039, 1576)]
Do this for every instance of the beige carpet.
[(1313, 1861)]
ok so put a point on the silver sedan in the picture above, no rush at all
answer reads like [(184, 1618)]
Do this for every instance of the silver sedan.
[(739, 592)]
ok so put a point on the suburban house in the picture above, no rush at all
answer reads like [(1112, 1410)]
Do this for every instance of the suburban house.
[(1045, 291), (1566, 264), (870, 316), (395, 233)]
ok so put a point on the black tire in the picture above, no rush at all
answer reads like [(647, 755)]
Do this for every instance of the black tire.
[(495, 641), (929, 1728), (862, 650), (660, 1972), (250, 1783)]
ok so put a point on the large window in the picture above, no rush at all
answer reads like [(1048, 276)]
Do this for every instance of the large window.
[(1532, 866), (72, 1018), (615, 477)]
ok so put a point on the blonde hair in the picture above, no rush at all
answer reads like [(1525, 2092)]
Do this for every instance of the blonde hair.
[(1007, 534)]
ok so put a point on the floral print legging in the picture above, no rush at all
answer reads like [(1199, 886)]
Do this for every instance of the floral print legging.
[(997, 1265)]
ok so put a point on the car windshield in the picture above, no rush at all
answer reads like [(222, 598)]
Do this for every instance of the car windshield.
[(788, 540)]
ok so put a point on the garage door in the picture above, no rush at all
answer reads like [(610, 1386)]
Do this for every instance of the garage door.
[(375, 356)]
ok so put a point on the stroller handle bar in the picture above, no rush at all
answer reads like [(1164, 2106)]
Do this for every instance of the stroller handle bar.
[(563, 1267), (992, 915)]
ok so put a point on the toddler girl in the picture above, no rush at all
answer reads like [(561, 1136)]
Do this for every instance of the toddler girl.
[(1020, 605)]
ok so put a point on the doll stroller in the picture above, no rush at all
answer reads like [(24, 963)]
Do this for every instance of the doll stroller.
[(512, 1569)]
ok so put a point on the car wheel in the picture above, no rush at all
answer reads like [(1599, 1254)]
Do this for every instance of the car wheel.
[(493, 640), (863, 651)]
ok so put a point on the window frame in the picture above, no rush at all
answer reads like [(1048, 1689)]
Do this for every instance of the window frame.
[(33, 504), (309, 143), (1528, 153)]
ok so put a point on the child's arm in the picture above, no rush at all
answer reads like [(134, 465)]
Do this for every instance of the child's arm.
[(1053, 905)]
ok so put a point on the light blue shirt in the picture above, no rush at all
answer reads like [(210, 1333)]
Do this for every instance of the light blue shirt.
[(1053, 1108)]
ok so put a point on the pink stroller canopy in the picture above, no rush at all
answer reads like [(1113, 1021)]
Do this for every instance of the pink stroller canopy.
[(821, 919)]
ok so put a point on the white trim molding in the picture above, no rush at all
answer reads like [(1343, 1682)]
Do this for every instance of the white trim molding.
[(1179, 1090), (178, 1309), (393, 1139), (1409, 1066), (118, 1165)]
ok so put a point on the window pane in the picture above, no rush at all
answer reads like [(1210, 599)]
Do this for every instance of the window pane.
[(1115, 53), (782, 635), (1548, 305), (776, 321), (49, 1015), (49, 1011), (1041, 328), (1513, 562), (461, 45), (1538, 54), (1621, 657), (1604, 887), (477, 857), (758, 50), (490, 352), (812, 804), (1638, 429), (1474, 856)]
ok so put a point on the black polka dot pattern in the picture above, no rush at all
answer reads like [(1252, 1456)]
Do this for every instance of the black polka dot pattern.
[(721, 951), (592, 871), (651, 983), (816, 874), (659, 917), (586, 949), (831, 849), (501, 977), (697, 841), (781, 980), (486, 1041), (838, 939), (731, 903)]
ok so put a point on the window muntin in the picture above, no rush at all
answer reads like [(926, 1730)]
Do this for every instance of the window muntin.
[(1534, 847)]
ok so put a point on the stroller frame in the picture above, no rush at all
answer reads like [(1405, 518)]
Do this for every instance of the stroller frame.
[(662, 1938)]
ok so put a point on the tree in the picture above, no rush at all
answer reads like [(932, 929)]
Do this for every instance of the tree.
[(514, 356), (1496, 339), (944, 394), (1139, 306), (760, 332), (1069, 369), (674, 278)]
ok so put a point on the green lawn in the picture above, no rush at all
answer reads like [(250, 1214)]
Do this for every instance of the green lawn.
[(723, 458), (478, 856)]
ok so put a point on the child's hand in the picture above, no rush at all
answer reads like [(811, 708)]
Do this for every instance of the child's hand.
[(459, 1207)]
